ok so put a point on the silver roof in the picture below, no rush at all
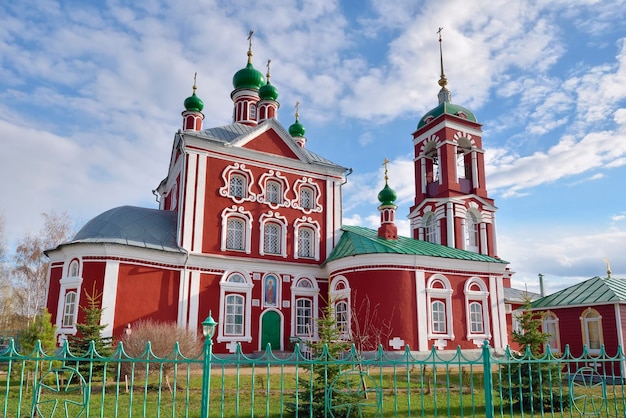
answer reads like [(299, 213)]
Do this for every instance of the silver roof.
[(233, 132), (131, 225)]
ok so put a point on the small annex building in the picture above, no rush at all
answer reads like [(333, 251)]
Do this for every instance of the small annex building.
[(586, 317), (249, 227)]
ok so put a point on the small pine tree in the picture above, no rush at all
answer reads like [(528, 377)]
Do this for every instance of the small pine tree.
[(313, 393), (91, 330), (527, 384), (40, 329)]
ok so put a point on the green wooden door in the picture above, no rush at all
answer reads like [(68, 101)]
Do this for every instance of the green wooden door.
[(270, 332)]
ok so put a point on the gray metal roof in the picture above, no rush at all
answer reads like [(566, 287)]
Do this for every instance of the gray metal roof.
[(131, 225), (519, 295), (231, 133)]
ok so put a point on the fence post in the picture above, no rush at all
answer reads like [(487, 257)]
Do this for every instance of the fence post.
[(208, 329), (488, 384)]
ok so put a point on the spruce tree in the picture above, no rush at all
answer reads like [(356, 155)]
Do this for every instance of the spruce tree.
[(528, 383), (314, 392), (91, 330)]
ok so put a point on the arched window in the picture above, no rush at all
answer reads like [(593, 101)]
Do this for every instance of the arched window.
[(477, 310), (305, 243), (341, 298), (472, 232), (341, 317), (430, 228), (272, 238), (74, 269), (550, 324), (235, 234), (304, 296), (307, 198), (236, 307), (439, 301), (476, 318), (592, 330), (438, 317), (307, 234), (304, 317), (274, 192), (69, 310), (237, 186), (234, 318)]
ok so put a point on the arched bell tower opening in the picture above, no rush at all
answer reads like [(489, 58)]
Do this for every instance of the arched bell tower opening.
[(450, 178)]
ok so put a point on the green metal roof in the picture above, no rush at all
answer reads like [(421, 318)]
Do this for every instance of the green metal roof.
[(357, 240), (593, 291), (447, 108)]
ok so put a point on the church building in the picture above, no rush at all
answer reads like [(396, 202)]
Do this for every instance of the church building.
[(249, 228)]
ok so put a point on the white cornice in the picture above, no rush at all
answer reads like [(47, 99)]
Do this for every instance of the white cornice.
[(412, 262)]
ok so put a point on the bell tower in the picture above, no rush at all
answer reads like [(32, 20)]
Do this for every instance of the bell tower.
[(451, 203)]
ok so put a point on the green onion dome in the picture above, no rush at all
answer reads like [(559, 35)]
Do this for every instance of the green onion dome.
[(268, 92), (297, 129), (248, 78), (387, 196), (193, 103)]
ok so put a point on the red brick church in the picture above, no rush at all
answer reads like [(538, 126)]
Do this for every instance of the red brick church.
[(249, 226)]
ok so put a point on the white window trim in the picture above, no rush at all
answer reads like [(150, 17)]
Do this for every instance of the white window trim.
[(466, 239), (67, 284), (277, 177), (482, 297), (241, 170), (243, 289), (426, 218), (342, 295), (307, 182), (246, 216), (551, 318), (315, 226), (276, 218), (300, 292), (445, 294), (74, 309), (585, 321)]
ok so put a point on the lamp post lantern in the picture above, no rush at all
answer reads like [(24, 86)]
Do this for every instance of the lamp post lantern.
[(208, 329)]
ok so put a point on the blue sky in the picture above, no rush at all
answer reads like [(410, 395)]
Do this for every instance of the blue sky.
[(91, 95)]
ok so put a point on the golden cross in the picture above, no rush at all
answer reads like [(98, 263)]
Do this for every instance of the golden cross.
[(195, 76), (250, 38), (386, 169), (297, 106)]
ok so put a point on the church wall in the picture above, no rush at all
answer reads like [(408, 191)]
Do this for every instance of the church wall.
[(92, 285), (394, 292), (54, 287), (143, 293), (215, 203)]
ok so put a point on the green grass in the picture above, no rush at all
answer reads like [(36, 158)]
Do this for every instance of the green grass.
[(257, 392)]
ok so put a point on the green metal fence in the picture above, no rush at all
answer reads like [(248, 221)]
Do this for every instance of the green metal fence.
[(380, 384)]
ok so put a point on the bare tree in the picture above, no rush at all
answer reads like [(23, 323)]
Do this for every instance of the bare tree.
[(31, 264), (9, 318), (369, 330)]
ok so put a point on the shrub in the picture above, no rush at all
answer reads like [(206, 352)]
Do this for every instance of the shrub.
[(163, 337)]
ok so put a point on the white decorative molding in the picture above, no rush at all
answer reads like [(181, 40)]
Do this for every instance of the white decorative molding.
[(237, 168), (396, 343), (278, 177), (307, 182)]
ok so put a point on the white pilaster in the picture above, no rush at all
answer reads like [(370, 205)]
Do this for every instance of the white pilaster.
[(109, 297), (421, 311)]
